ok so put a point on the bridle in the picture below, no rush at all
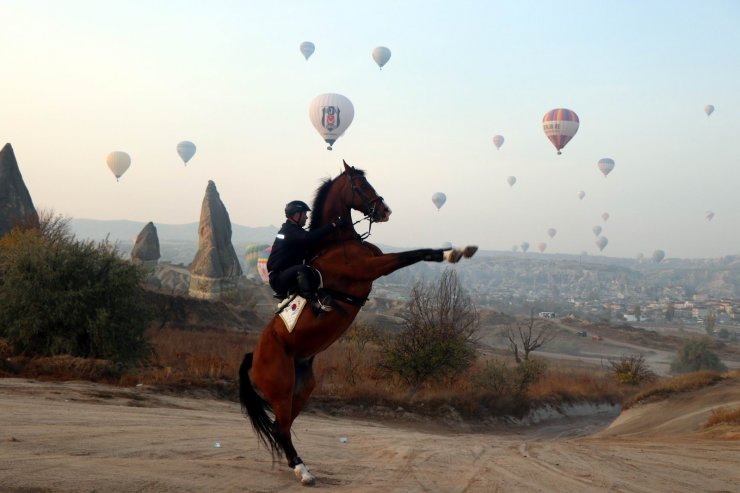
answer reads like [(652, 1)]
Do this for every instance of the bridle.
[(370, 204)]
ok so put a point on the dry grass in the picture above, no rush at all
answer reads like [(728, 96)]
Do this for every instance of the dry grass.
[(724, 415), (688, 382)]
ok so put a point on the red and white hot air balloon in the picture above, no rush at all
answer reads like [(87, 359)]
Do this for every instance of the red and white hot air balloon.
[(606, 165), (560, 125)]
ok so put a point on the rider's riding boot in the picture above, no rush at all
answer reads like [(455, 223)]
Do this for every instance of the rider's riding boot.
[(305, 290)]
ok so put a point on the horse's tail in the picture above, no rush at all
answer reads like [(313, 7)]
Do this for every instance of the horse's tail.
[(256, 407)]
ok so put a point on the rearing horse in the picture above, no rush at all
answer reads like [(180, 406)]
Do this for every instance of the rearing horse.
[(278, 375)]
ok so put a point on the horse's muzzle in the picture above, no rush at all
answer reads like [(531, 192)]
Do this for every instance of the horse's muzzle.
[(382, 213)]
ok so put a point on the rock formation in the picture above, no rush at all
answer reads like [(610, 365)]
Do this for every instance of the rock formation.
[(146, 248), (215, 269), (16, 206)]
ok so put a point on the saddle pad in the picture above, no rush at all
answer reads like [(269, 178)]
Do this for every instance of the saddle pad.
[(292, 311)]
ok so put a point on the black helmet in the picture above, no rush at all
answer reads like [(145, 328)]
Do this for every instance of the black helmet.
[(295, 206)]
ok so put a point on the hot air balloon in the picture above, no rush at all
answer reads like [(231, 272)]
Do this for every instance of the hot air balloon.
[(514, 248), (381, 55), (118, 162), (560, 125), (251, 253), (524, 246), (709, 109), (511, 180), (658, 255), (498, 141), (551, 232), (331, 115), (186, 150), (581, 194), (262, 257), (709, 215), (605, 216), (439, 199), (606, 165), (601, 242), (541, 246), (307, 48), (596, 230)]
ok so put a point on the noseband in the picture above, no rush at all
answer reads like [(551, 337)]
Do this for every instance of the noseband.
[(370, 204)]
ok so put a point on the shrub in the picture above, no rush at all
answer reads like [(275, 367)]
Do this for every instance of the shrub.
[(696, 355), (631, 369), (59, 295), (724, 415)]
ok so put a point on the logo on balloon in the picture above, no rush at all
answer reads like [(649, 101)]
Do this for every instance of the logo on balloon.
[(330, 117)]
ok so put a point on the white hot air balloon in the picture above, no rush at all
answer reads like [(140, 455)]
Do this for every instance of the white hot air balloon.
[(186, 150), (498, 141), (551, 232), (581, 194), (658, 256), (381, 55), (606, 165), (118, 162), (605, 216), (331, 115), (596, 230), (307, 49), (439, 199), (524, 246), (709, 109), (511, 180), (601, 242), (541, 246), (709, 215)]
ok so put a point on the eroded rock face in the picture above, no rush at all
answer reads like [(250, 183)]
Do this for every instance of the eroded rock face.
[(16, 206), (146, 248), (215, 268)]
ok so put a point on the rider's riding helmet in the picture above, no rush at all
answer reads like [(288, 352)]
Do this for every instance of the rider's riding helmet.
[(295, 206)]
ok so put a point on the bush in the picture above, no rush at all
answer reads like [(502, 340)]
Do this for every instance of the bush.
[(59, 295), (631, 369), (498, 378), (696, 355)]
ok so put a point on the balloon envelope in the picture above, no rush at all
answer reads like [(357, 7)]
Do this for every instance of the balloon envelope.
[(601, 242), (541, 246), (498, 141), (331, 115), (709, 109), (439, 199), (524, 246), (560, 125), (511, 180), (606, 165), (605, 216), (262, 257), (186, 150), (709, 215), (307, 48), (118, 162), (581, 194), (551, 232), (381, 55), (596, 230), (251, 253), (658, 255)]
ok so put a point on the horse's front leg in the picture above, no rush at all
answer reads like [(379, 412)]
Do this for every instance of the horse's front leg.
[(382, 265)]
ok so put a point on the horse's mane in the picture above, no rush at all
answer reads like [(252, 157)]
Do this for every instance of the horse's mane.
[(317, 211)]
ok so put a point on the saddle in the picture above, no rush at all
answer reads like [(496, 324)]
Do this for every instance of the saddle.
[(317, 284)]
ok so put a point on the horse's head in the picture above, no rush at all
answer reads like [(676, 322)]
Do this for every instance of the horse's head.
[(360, 195)]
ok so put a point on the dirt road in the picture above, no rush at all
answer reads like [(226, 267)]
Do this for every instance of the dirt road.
[(86, 437)]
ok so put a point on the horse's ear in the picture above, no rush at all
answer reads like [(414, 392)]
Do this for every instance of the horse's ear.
[(346, 166)]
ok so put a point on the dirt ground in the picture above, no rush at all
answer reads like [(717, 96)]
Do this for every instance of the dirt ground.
[(85, 437)]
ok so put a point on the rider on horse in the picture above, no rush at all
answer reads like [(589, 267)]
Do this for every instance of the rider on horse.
[(287, 271)]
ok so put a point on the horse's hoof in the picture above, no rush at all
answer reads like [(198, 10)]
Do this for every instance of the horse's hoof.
[(304, 475), (453, 256), (469, 251)]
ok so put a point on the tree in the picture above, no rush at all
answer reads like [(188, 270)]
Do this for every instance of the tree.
[(710, 321), (670, 311), (439, 334), (637, 312), (696, 355), (527, 336), (59, 295)]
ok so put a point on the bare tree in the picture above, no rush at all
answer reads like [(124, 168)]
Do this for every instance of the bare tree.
[(529, 335)]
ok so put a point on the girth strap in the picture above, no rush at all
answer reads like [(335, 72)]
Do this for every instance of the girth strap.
[(340, 296)]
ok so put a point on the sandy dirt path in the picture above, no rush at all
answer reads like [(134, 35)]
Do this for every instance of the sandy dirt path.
[(85, 437)]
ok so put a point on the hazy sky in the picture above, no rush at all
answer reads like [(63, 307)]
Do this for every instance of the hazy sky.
[(83, 78)]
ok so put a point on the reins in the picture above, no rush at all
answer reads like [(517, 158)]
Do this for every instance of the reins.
[(369, 206)]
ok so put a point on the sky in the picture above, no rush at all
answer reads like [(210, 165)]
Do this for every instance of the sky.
[(83, 78)]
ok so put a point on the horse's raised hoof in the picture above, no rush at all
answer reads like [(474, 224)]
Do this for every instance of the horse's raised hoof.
[(453, 256), (469, 251), (304, 475)]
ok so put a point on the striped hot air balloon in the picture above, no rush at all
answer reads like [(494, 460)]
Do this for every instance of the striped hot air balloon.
[(262, 257), (560, 125)]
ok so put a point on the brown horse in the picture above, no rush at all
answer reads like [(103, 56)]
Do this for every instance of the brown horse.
[(278, 375)]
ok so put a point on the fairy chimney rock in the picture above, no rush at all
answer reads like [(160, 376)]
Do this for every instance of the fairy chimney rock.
[(146, 248), (215, 268), (16, 206)]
